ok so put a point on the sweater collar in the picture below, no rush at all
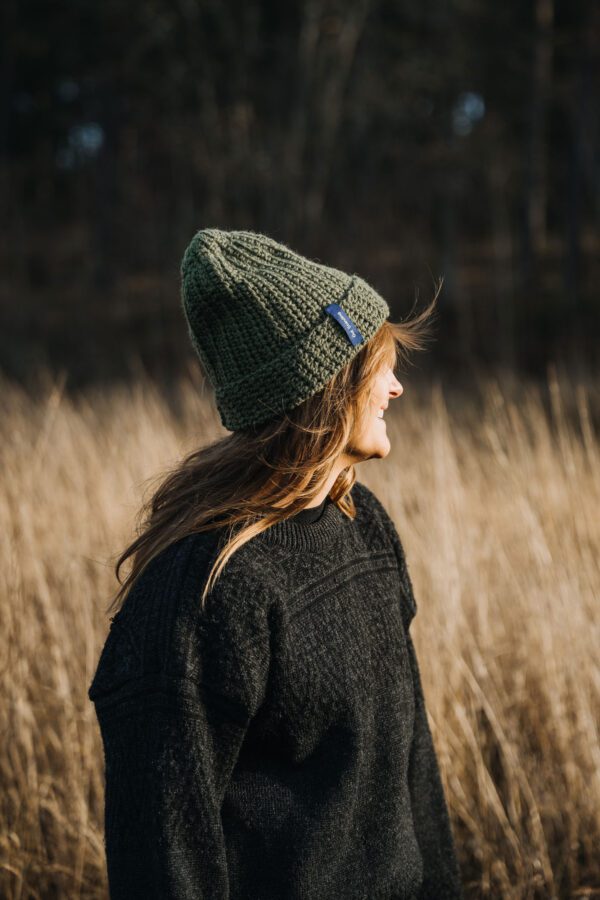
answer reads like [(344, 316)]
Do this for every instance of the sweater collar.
[(311, 513), (299, 535)]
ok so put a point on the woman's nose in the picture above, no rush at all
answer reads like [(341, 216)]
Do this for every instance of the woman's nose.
[(396, 389)]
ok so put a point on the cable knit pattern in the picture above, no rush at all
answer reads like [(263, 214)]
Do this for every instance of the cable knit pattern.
[(256, 317), (276, 744)]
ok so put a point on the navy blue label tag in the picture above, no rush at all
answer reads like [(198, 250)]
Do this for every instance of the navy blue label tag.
[(336, 311)]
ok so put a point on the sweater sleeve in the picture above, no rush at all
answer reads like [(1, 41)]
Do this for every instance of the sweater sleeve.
[(441, 876), (169, 753), (175, 690)]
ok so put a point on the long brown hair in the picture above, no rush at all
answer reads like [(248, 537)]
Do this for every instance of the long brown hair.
[(261, 475)]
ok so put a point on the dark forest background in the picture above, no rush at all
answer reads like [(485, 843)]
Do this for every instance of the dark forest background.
[(404, 141)]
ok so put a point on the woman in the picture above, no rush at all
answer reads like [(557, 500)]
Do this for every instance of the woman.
[(258, 695)]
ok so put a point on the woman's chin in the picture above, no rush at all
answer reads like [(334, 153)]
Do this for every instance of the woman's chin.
[(378, 450), (384, 449)]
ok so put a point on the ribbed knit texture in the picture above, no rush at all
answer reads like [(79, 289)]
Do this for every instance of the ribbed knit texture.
[(255, 311), (275, 745)]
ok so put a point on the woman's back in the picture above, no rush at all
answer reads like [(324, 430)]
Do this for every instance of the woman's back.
[(274, 744)]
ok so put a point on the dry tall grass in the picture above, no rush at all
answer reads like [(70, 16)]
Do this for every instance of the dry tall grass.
[(497, 500)]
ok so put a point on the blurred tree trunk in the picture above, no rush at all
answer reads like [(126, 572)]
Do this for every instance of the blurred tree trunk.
[(11, 213), (345, 33), (298, 132), (104, 224), (503, 261), (327, 45), (536, 188), (582, 119)]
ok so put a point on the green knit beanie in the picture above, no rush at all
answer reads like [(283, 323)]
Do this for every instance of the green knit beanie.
[(270, 327)]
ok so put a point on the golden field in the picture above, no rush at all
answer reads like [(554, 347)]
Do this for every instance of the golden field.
[(496, 496)]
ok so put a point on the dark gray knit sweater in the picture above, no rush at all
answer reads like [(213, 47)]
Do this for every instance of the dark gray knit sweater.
[(275, 745)]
